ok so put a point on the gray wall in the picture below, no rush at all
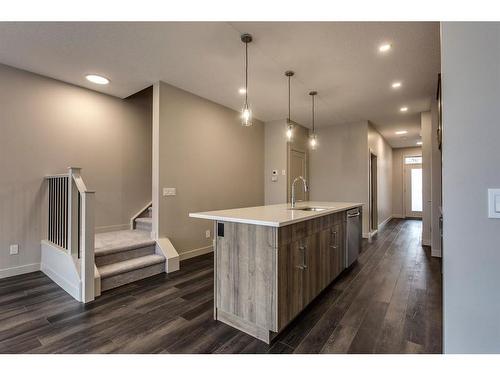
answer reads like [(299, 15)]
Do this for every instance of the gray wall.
[(212, 161), (471, 159), (378, 145), (339, 166), (46, 126), (275, 158), (398, 178)]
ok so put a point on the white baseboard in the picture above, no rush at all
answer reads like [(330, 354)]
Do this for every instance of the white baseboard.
[(112, 228), (72, 289), (19, 270), (381, 225), (436, 253), (398, 216), (195, 252)]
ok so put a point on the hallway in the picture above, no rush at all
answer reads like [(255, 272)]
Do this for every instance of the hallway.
[(388, 302)]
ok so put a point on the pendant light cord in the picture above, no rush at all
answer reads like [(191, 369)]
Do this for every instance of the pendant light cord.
[(246, 74), (313, 112), (289, 118)]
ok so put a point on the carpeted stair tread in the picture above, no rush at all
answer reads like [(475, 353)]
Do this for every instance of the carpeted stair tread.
[(129, 265)]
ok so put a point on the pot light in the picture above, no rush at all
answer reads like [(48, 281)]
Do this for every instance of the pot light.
[(419, 143), (400, 132), (403, 109), (385, 47), (396, 85), (97, 79), (242, 91)]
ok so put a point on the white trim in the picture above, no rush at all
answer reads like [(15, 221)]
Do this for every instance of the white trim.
[(436, 253), (398, 216), (381, 225), (72, 289), (112, 228), (62, 268), (19, 270), (366, 235), (196, 252), (165, 248)]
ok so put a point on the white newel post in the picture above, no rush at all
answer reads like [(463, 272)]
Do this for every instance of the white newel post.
[(87, 246), (73, 211)]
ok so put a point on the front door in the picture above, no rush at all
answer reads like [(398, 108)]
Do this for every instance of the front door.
[(413, 187)]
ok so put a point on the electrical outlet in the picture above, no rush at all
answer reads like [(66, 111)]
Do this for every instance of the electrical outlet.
[(169, 192), (207, 234), (14, 249)]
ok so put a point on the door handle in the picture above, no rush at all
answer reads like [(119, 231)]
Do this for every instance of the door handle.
[(333, 240), (303, 266), (353, 215)]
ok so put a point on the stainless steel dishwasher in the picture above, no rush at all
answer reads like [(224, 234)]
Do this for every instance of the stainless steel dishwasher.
[(353, 238)]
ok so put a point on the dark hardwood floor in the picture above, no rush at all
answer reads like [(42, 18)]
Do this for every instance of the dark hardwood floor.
[(388, 302)]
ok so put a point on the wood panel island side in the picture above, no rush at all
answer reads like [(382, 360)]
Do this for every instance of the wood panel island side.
[(271, 261)]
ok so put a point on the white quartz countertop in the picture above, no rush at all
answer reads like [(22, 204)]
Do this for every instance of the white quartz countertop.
[(276, 215)]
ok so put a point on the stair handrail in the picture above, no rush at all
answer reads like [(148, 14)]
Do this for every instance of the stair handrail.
[(82, 230)]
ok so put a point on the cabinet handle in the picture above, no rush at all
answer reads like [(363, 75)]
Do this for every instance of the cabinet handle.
[(334, 240), (303, 266)]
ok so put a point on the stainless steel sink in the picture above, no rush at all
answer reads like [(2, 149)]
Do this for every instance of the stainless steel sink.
[(318, 209)]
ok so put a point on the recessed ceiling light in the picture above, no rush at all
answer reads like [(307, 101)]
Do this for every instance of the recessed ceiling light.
[(403, 109), (94, 78), (399, 132), (419, 143), (396, 85), (242, 91), (385, 47)]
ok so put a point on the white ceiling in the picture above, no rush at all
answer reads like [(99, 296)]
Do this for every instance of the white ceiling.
[(338, 59)]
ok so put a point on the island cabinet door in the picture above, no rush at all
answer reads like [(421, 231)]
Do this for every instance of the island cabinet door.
[(313, 283), (326, 258), (336, 250), (291, 281)]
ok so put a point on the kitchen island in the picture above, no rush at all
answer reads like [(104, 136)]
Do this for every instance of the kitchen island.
[(271, 261)]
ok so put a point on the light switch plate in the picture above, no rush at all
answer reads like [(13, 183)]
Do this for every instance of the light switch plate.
[(169, 192), (14, 249), (494, 203)]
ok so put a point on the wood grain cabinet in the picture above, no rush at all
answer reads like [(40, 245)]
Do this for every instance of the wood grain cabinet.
[(266, 276)]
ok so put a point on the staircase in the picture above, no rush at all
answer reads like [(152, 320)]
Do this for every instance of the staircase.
[(144, 222), (126, 256)]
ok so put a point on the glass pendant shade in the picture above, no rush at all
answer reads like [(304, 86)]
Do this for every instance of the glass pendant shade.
[(246, 115), (289, 133), (313, 141)]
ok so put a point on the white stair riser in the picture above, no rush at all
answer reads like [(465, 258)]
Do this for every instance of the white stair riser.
[(123, 255)]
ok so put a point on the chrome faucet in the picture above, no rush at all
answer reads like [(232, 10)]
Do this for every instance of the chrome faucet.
[(293, 188)]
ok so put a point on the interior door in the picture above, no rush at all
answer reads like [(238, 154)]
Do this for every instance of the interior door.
[(297, 167), (413, 190)]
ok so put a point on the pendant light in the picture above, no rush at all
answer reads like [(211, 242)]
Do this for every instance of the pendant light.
[(246, 112), (289, 129), (313, 141)]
